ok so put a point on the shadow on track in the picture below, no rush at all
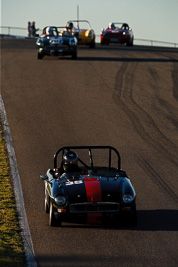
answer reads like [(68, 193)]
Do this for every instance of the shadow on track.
[(157, 220), (138, 48), (148, 220), (80, 260), (114, 59), (13, 43)]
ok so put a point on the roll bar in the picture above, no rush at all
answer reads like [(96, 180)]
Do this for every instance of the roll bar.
[(78, 21), (89, 148)]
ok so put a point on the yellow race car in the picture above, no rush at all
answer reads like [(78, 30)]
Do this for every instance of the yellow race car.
[(81, 29)]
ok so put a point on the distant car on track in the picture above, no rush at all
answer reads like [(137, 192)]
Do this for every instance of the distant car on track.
[(117, 33), (83, 32), (56, 41), (88, 188)]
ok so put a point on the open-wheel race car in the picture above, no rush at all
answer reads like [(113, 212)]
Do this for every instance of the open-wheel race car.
[(86, 187), (56, 41), (117, 32), (83, 32)]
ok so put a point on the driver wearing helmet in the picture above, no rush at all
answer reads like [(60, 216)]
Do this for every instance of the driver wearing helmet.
[(69, 26), (70, 162), (69, 29), (111, 26), (49, 31)]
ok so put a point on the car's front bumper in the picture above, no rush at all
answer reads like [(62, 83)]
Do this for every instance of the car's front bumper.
[(57, 51), (115, 39)]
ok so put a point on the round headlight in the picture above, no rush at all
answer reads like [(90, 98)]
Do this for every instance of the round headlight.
[(60, 200), (127, 198), (89, 33), (73, 41), (39, 42)]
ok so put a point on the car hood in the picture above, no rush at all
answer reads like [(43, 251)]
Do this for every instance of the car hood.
[(87, 189), (55, 40)]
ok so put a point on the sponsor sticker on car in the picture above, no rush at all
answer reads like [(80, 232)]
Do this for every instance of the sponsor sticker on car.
[(74, 182), (56, 41)]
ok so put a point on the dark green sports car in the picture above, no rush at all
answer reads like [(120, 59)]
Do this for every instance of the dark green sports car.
[(85, 187), (56, 41)]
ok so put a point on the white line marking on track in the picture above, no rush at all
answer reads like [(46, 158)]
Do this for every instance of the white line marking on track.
[(27, 240)]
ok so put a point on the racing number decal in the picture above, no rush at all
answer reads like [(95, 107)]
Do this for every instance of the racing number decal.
[(94, 194), (74, 182)]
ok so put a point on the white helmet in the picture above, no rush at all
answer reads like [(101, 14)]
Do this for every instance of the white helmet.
[(49, 31)]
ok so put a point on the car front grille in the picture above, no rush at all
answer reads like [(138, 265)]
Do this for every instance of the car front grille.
[(56, 47), (94, 207)]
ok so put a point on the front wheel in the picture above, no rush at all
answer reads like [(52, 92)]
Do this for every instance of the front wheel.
[(133, 216), (130, 218), (130, 43), (92, 44), (40, 55), (46, 201), (54, 219), (74, 55)]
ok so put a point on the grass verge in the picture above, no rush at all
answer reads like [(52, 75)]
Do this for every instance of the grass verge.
[(11, 244)]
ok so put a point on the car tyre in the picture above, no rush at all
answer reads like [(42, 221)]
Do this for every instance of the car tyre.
[(74, 55), (46, 201), (92, 44), (40, 55), (54, 219), (133, 216), (130, 43), (130, 219)]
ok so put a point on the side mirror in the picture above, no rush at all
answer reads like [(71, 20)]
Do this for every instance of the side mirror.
[(43, 177)]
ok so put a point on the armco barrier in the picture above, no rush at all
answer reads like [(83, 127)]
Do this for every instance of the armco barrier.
[(22, 33)]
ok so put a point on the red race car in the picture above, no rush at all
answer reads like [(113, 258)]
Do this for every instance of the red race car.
[(117, 33)]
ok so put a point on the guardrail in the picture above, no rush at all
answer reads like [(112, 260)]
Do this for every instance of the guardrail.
[(8, 29), (18, 31), (153, 42), (149, 42)]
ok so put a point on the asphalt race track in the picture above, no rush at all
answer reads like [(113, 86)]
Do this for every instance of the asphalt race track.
[(112, 95)]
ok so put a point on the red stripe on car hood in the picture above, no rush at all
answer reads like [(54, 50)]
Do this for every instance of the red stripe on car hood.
[(94, 194)]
